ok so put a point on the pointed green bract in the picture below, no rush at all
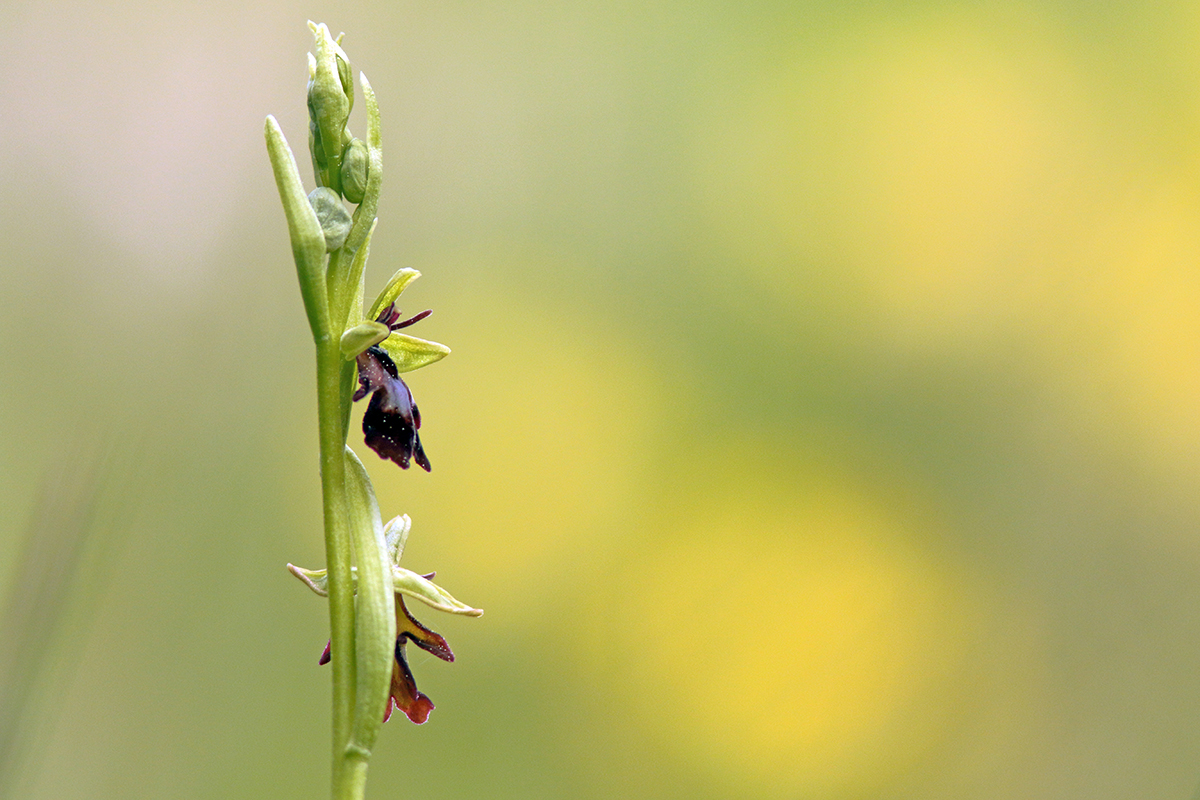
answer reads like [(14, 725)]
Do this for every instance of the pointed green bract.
[(364, 215), (375, 609), (304, 229), (355, 278)]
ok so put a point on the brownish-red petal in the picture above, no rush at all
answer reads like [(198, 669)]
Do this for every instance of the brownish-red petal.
[(422, 637), (415, 705)]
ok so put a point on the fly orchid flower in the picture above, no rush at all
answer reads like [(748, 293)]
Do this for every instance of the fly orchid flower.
[(392, 419), (404, 694)]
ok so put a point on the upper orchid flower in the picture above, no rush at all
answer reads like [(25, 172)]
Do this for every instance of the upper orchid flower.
[(392, 419)]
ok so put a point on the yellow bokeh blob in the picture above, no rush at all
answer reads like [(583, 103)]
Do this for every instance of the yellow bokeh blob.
[(1133, 330), (803, 646), (919, 166)]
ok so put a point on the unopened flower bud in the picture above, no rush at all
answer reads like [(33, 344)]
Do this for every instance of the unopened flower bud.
[(333, 216), (330, 93), (356, 164)]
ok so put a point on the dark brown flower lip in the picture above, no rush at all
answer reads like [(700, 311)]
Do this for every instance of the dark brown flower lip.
[(392, 419)]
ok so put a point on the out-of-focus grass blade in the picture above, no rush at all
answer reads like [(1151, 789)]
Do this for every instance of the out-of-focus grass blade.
[(56, 577)]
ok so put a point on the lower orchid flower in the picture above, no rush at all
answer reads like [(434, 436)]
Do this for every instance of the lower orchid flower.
[(404, 693)]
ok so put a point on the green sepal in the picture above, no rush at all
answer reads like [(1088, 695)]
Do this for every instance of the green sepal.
[(316, 579), (409, 352), (428, 592), (397, 284), (403, 580), (356, 340)]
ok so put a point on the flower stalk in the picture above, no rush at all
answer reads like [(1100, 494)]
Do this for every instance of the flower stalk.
[(363, 581)]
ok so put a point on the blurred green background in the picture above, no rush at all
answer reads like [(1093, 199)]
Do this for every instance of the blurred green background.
[(823, 419)]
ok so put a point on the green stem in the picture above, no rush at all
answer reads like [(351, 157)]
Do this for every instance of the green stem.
[(354, 777), (330, 402), (331, 288)]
